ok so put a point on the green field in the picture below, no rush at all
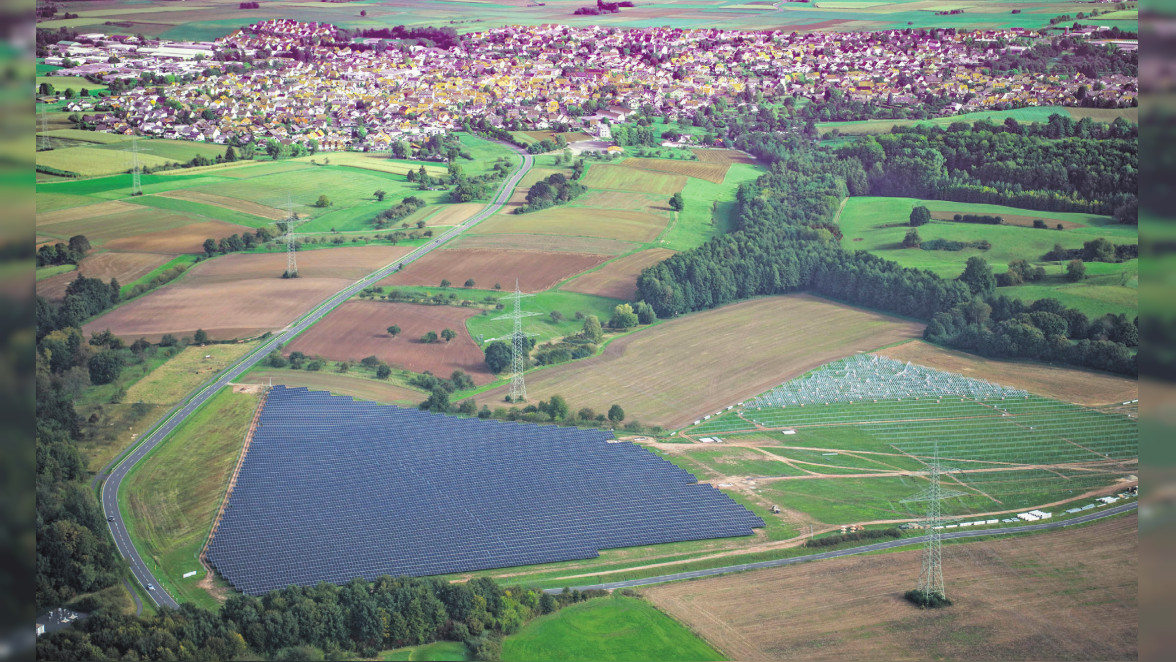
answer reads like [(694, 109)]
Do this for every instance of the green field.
[(445, 651), (613, 629), (201, 209), (709, 209), (171, 498), (45, 272), (568, 303), (878, 225), (1028, 114)]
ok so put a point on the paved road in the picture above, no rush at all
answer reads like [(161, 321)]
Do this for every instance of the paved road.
[(890, 544), (179, 413)]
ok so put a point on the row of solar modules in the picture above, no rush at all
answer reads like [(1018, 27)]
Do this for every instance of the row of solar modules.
[(333, 488)]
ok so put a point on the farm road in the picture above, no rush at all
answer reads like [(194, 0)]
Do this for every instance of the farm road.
[(120, 466), (890, 544)]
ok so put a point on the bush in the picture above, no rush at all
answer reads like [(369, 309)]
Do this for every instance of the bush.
[(920, 216), (927, 600), (383, 371), (1075, 271)]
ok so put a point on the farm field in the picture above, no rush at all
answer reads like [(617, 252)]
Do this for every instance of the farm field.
[(357, 329), (536, 271), (568, 304), (126, 267), (878, 224), (728, 156), (709, 208), (543, 242), (615, 628), (107, 157), (240, 295), (711, 171), (232, 204), (1028, 114), (623, 178), (1014, 600), (361, 388), (1085, 387), (117, 225), (172, 496), (170, 382), (618, 279), (578, 221), (735, 351)]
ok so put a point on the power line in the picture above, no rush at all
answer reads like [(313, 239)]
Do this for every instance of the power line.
[(519, 349)]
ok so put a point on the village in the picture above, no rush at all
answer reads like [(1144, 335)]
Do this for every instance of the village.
[(326, 95)]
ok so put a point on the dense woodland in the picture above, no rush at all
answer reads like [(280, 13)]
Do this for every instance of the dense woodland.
[(783, 241)]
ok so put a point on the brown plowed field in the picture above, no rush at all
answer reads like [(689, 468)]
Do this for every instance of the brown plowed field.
[(622, 178), (241, 295), (1084, 387), (534, 270), (674, 373), (48, 218), (711, 172), (579, 221), (727, 156), (357, 387), (126, 267), (356, 330), (542, 242), (186, 239), (228, 203), (618, 279), (1062, 595)]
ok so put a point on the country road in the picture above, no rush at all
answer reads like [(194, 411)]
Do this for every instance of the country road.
[(890, 544), (177, 415)]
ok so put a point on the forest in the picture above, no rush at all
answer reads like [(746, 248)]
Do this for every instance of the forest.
[(783, 240)]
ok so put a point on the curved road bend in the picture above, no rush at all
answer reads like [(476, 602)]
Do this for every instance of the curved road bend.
[(890, 544), (174, 418)]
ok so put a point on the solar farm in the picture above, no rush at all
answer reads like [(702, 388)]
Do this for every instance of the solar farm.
[(332, 488)]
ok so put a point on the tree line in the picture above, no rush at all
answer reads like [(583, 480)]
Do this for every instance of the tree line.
[(359, 618)]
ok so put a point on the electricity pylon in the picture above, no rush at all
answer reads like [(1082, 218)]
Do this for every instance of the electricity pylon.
[(518, 349), (45, 141), (931, 576), (136, 183), (291, 248)]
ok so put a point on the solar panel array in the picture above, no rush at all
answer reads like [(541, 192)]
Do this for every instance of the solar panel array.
[(334, 488)]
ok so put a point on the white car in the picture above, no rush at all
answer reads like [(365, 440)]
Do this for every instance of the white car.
[(151, 587)]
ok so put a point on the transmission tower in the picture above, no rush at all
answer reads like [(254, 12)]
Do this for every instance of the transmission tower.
[(931, 576), (518, 350), (136, 184), (45, 140), (288, 225)]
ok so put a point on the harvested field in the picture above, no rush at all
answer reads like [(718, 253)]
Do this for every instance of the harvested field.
[(187, 239), (1084, 387), (711, 172), (675, 372), (539, 242), (228, 203), (624, 178), (451, 214), (241, 295), (727, 156), (357, 329), (1013, 219), (1063, 595), (46, 219), (624, 200), (126, 267), (170, 382), (360, 388), (534, 270), (578, 221), (570, 136), (618, 279)]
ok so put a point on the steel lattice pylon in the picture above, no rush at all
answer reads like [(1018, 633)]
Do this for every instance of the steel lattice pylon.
[(136, 182), (291, 248), (518, 349), (931, 576)]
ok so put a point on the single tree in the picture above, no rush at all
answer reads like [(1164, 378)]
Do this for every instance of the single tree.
[(556, 316), (380, 194), (394, 330), (616, 414), (920, 216), (445, 283), (448, 334), (210, 247), (470, 282), (912, 239), (1075, 270), (498, 356), (676, 202), (323, 201), (429, 338), (592, 331), (200, 336), (978, 277)]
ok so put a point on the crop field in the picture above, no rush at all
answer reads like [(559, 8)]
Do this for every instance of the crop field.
[(170, 382), (622, 178), (878, 224), (126, 267), (362, 388), (453, 214), (1085, 387), (618, 279), (725, 156), (377, 162), (734, 352), (614, 629), (534, 270), (95, 161), (1013, 600), (233, 204), (711, 172), (239, 295), (578, 221), (536, 136), (137, 228), (1028, 114), (358, 329), (543, 242), (173, 496)]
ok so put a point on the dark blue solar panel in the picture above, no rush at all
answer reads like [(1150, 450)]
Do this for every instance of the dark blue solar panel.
[(332, 489)]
